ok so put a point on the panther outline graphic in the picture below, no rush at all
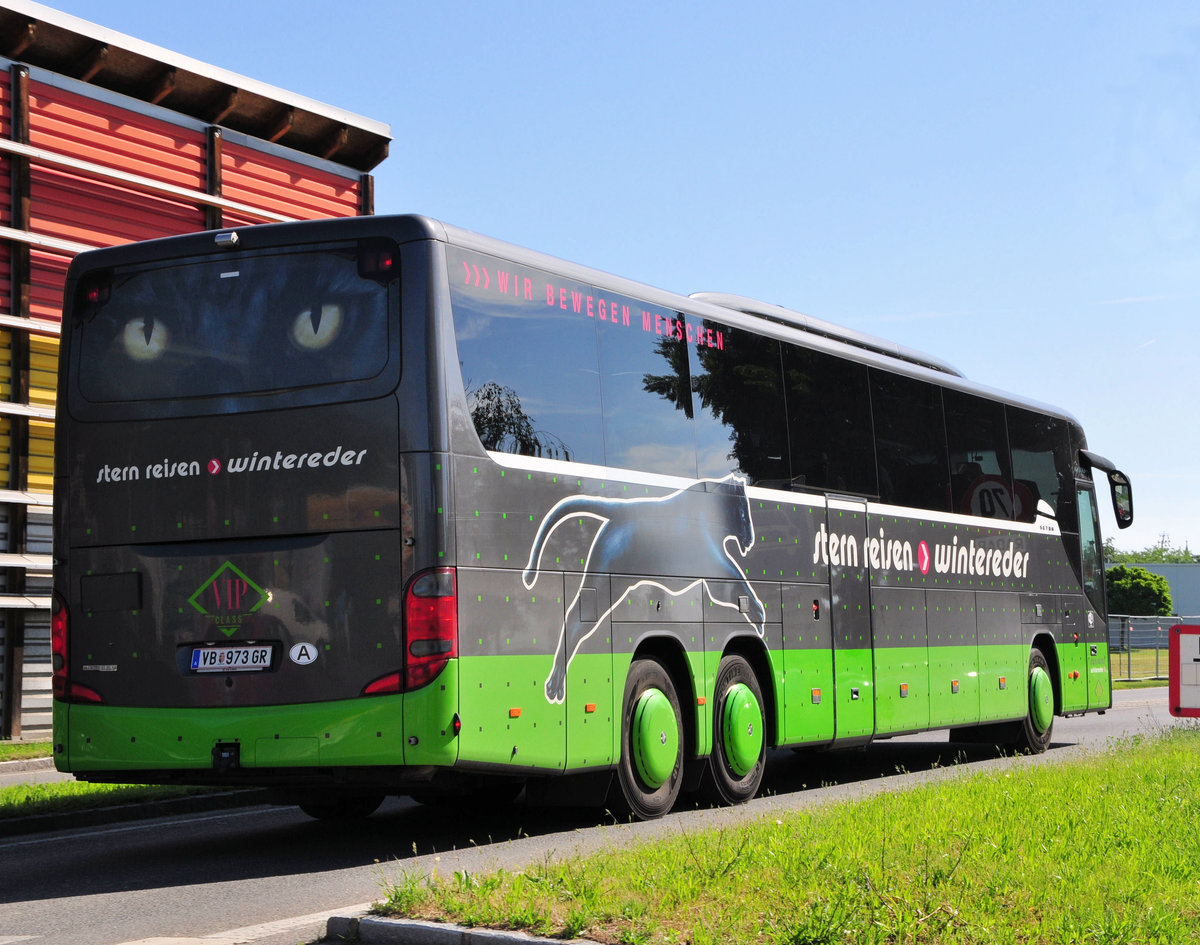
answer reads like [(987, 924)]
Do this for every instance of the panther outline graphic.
[(692, 527)]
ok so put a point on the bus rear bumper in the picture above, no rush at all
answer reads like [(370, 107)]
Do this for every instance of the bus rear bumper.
[(246, 745)]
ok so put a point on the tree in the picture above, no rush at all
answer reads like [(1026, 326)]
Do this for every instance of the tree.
[(1136, 591), (503, 424), (1161, 553)]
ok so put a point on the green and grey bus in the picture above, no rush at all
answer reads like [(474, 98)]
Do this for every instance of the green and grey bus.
[(380, 506)]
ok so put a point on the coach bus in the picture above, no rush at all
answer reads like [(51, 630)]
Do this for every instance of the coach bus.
[(379, 506)]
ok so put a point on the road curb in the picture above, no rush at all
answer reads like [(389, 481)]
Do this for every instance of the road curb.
[(124, 813), (374, 930), (26, 764)]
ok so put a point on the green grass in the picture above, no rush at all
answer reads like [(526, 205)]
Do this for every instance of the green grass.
[(22, 751), (26, 800), (1104, 851)]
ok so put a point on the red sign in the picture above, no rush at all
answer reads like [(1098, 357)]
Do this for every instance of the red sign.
[(1183, 671)]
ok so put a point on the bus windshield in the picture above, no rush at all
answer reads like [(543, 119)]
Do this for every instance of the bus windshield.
[(236, 324)]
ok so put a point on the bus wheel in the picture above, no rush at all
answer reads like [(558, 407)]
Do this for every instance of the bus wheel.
[(739, 754), (1034, 731), (651, 767), (341, 806)]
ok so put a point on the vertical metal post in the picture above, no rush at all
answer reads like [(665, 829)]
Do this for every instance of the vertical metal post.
[(214, 217), (1127, 623), (366, 195)]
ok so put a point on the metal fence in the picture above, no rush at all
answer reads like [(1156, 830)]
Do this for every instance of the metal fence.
[(1137, 646)]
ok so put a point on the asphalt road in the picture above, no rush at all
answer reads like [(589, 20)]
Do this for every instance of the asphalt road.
[(271, 876)]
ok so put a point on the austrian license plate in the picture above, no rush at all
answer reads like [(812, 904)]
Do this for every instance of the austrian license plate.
[(231, 659)]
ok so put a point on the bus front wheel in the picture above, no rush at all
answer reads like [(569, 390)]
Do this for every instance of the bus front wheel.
[(650, 771), (1034, 731), (739, 752)]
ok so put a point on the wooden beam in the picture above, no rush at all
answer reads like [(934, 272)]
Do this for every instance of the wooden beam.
[(166, 85), (286, 120), (93, 62), (223, 105)]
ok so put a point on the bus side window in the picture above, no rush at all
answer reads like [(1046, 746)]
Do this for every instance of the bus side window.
[(1091, 558), (910, 442), (741, 420), (829, 422), (980, 480), (645, 392), (530, 373), (1042, 466)]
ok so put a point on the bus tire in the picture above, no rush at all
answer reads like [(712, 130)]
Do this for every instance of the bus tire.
[(1033, 732), (341, 806), (650, 770), (739, 750)]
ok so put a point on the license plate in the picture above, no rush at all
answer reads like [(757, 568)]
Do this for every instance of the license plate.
[(231, 659)]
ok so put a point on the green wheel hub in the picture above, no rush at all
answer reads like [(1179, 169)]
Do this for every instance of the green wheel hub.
[(1041, 699), (742, 729), (654, 737)]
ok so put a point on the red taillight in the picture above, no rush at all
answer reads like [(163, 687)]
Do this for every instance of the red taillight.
[(64, 690), (58, 647), (430, 626), (383, 685)]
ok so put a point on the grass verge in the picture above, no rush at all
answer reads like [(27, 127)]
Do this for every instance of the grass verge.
[(1103, 851), (58, 797), (23, 751)]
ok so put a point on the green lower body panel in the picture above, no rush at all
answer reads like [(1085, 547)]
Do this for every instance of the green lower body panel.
[(820, 697), (400, 729), (111, 738)]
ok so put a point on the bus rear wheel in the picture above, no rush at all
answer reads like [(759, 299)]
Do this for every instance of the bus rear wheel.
[(1033, 733), (650, 771), (739, 753)]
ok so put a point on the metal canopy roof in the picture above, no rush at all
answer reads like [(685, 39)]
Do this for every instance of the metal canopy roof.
[(39, 36)]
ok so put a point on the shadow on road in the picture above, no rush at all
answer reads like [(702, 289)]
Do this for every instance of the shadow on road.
[(228, 847)]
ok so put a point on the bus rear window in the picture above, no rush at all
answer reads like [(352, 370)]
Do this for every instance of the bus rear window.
[(235, 324)]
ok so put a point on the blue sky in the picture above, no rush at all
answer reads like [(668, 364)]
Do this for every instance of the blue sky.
[(1012, 187)]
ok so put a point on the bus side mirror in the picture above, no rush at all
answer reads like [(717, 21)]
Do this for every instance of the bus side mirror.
[(1122, 498)]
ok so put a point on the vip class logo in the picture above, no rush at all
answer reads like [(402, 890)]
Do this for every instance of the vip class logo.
[(227, 597)]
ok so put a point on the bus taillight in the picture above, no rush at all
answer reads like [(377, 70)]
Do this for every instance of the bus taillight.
[(63, 688), (58, 647), (430, 626)]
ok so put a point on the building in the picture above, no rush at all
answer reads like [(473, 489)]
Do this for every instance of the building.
[(106, 139), (1185, 585)]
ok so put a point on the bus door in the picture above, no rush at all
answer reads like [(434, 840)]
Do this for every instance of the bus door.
[(1093, 619), (850, 618)]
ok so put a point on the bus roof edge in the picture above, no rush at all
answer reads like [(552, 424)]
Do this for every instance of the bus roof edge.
[(817, 326)]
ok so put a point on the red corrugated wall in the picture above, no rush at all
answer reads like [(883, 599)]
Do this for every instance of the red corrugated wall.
[(272, 183)]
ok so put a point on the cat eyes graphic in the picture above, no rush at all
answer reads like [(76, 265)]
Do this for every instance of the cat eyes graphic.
[(145, 338), (314, 329)]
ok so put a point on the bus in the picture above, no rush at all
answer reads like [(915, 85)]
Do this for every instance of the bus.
[(378, 506)]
